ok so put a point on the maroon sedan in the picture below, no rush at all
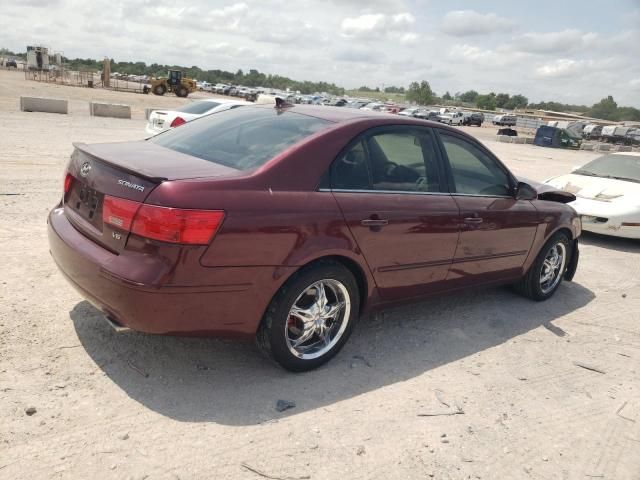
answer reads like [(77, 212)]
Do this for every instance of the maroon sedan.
[(286, 224)]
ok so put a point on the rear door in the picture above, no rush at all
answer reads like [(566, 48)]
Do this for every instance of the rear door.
[(497, 230), (389, 186)]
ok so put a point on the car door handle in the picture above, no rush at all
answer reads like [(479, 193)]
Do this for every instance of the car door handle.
[(473, 220), (374, 222)]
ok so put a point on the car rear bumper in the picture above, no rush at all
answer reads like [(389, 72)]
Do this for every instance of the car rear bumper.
[(231, 304), (152, 131)]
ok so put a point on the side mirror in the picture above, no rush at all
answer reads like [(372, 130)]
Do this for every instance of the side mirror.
[(524, 191)]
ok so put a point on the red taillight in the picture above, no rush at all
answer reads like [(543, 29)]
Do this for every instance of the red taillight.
[(177, 122), (68, 181), (119, 212), (174, 225)]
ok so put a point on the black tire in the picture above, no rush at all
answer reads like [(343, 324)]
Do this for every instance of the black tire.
[(271, 336), (530, 285), (182, 92), (159, 90)]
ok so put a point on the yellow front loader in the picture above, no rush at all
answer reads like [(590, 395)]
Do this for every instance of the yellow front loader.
[(175, 82)]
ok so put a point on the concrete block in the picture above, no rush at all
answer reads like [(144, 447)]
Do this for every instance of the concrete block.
[(587, 146), (116, 110), (528, 140), (42, 104), (504, 139), (519, 139), (624, 148), (603, 147)]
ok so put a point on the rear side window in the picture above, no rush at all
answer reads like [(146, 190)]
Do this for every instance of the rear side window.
[(242, 138), (197, 108)]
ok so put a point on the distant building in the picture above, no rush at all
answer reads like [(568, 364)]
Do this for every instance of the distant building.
[(37, 58)]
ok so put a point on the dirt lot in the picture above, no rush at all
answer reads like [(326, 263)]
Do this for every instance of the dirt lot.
[(137, 406)]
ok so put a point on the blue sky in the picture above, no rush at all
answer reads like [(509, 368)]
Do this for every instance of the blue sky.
[(571, 51)]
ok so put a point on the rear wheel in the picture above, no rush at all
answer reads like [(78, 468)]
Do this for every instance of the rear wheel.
[(159, 89), (546, 273), (311, 317)]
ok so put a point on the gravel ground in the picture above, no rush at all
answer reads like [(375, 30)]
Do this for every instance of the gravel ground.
[(519, 389)]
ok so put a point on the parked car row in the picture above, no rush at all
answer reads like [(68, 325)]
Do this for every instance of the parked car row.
[(443, 115), (612, 134)]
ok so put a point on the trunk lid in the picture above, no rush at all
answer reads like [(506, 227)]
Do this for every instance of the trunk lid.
[(129, 170)]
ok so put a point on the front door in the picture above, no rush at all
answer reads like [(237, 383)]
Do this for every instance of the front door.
[(390, 187), (497, 230)]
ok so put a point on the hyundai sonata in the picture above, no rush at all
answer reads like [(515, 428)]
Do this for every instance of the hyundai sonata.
[(286, 224)]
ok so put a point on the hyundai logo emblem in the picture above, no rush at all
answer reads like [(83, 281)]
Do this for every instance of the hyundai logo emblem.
[(85, 169)]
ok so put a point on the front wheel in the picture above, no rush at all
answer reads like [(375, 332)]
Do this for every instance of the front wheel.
[(159, 89), (545, 275), (182, 92), (311, 317)]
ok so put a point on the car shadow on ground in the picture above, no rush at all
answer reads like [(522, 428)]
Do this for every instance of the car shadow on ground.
[(628, 245), (209, 380)]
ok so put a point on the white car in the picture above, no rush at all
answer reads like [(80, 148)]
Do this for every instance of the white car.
[(607, 192), (451, 118), (408, 112), (163, 120)]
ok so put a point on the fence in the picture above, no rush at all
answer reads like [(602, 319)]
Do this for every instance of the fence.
[(60, 76)]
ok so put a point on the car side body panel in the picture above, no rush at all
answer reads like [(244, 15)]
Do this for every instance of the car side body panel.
[(277, 220)]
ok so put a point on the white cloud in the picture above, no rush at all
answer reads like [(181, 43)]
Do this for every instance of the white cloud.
[(487, 58), (350, 42), (556, 42), (562, 67), (461, 23), (376, 24)]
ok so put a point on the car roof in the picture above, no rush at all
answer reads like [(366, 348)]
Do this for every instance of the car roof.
[(337, 114), (216, 100)]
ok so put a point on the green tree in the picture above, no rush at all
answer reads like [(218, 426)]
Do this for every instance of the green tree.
[(447, 96), (469, 96), (502, 99), (517, 101), (420, 93), (628, 113), (393, 89), (605, 109), (486, 102)]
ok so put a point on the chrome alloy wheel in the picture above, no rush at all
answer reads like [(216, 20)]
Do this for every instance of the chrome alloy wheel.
[(553, 267), (317, 319)]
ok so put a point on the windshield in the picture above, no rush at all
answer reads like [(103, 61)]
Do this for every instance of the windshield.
[(242, 138), (197, 108), (625, 167)]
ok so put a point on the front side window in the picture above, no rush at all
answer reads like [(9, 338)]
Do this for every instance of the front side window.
[(474, 172), (398, 160)]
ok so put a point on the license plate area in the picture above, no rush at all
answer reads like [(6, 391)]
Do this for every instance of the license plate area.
[(87, 203)]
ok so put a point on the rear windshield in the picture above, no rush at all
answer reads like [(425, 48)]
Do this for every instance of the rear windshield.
[(197, 108), (242, 138)]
